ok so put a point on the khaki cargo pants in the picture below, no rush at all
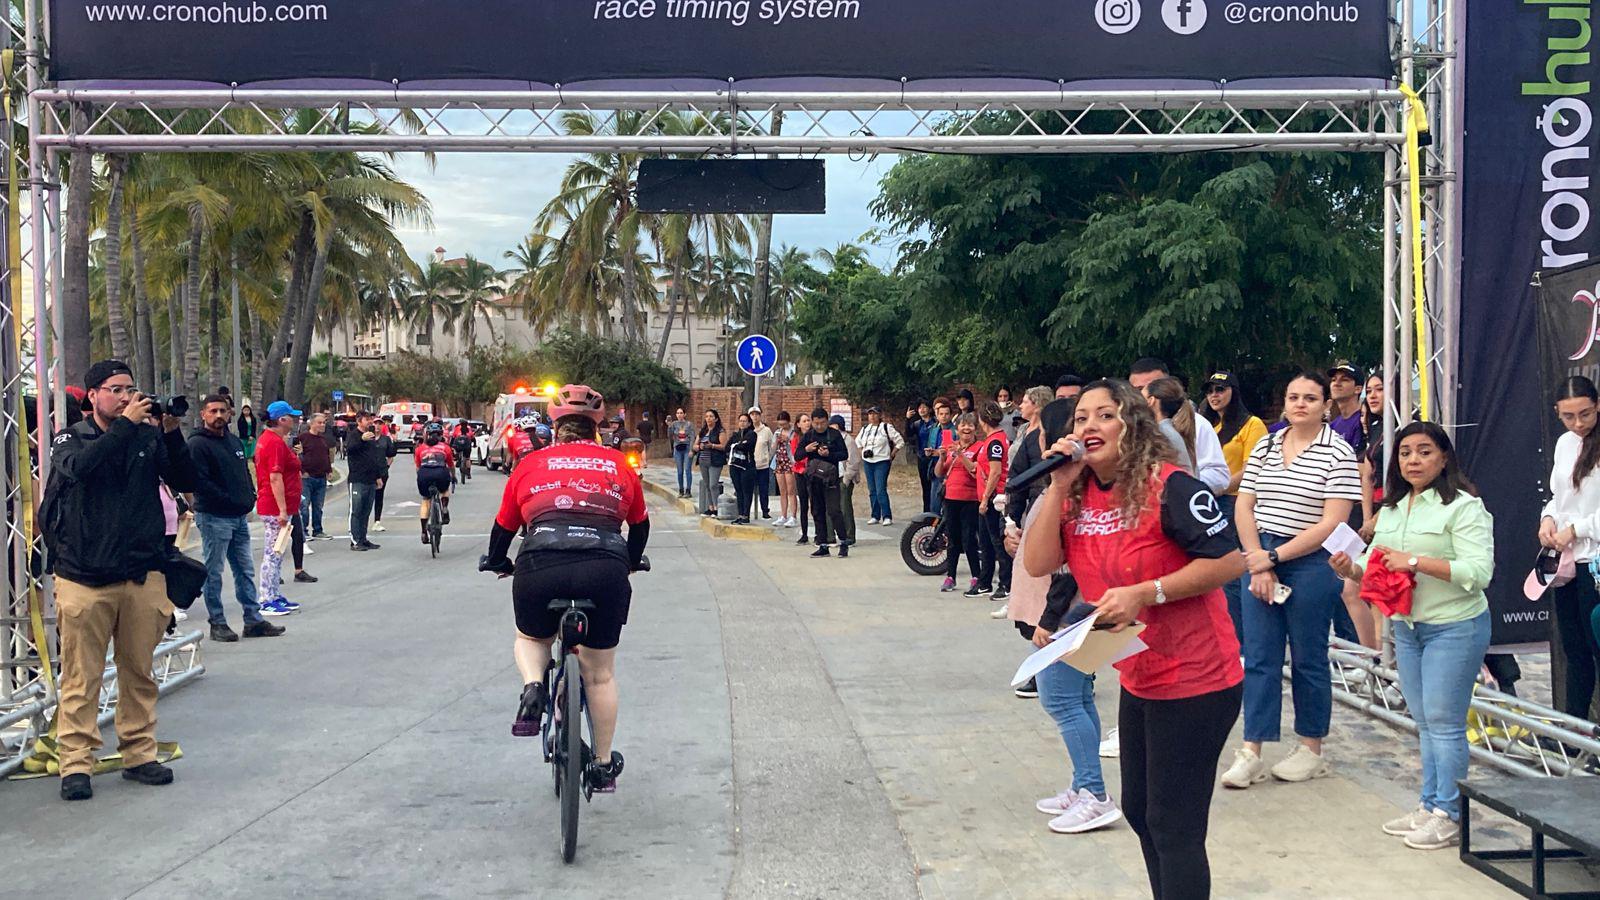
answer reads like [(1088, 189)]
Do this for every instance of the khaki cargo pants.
[(134, 616)]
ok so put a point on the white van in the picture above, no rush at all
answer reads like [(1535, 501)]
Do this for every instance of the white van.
[(405, 420)]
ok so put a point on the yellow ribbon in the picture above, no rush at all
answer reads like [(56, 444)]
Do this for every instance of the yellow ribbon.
[(1417, 125)]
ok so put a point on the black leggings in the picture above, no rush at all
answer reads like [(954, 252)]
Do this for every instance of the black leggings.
[(1575, 603), (961, 525), (377, 499), (298, 531), (802, 490), (1169, 759)]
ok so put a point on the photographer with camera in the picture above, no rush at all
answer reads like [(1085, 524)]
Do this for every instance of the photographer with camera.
[(105, 531), (879, 442)]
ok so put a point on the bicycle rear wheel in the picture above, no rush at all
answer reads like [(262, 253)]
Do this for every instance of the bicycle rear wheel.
[(435, 523), (572, 754)]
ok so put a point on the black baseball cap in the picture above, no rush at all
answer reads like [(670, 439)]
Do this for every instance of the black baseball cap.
[(1223, 378), (1345, 367), (102, 370)]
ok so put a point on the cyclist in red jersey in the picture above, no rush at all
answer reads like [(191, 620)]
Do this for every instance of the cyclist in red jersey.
[(436, 468), (574, 497)]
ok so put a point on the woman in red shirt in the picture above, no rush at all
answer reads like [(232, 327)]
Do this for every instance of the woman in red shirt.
[(1148, 542), (958, 466)]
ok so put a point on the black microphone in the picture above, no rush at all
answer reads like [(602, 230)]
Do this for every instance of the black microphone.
[(1021, 480)]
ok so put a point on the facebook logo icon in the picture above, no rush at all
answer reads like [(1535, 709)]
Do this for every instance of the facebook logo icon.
[(1184, 16)]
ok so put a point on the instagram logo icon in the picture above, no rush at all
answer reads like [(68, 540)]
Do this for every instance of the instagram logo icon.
[(1117, 16)]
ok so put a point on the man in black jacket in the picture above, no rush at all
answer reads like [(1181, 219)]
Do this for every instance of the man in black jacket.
[(105, 531), (223, 499), (828, 453), (365, 453)]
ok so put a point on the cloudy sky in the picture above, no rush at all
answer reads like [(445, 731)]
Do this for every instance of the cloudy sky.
[(484, 203)]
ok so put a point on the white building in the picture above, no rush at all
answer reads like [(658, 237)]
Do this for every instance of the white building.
[(694, 349)]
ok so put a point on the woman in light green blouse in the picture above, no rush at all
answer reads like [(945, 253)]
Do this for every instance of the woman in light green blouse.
[(1439, 531)]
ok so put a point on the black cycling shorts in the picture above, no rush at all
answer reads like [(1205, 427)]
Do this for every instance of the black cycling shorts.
[(433, 476), (549, 575)]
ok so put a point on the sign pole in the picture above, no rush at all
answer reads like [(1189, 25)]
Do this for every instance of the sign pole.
[(757, 394)]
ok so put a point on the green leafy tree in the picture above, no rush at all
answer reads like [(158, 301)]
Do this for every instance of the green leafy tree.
[(1024, 265), (859, 326)]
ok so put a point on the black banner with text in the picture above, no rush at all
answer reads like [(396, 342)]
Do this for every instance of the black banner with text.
[(572, 41), (1526, 200)]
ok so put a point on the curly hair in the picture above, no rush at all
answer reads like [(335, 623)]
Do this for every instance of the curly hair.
[(1141, 450)]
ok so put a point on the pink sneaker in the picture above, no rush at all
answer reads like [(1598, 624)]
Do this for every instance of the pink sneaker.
[(949, 585)]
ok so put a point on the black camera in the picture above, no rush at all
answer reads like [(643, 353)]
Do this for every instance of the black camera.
[(177, 406), (867, 454)]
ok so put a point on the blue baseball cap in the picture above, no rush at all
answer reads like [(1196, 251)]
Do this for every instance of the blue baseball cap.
[(278, 409)]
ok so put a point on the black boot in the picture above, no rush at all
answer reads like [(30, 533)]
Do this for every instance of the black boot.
[(76, 787)]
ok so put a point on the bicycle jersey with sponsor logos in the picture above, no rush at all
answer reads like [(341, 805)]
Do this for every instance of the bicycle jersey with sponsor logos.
[(431, 456), (1192, 647), (573, 480)]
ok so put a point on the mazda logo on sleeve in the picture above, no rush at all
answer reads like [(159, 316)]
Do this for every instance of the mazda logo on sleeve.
[(1203, 506)]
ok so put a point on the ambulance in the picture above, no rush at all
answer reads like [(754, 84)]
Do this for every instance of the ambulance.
[(508, 408), (405, 420)]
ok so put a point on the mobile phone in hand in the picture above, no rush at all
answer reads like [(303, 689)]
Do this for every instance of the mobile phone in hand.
[(1281, 592)]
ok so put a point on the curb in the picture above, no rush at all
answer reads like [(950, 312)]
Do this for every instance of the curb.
[(714, 527)]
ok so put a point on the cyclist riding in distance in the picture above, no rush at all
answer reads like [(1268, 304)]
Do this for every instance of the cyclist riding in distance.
[(436, 468), (462, 438), (574, 497), (530, 434)]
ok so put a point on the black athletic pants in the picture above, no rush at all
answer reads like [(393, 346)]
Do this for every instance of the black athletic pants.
[(992, 549), (826, 511), (1575, 603), (961, 529), (1170, 750)]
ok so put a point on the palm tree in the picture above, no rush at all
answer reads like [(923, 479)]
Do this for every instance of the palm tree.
[(430, 300), (477, 286), (792, 278)]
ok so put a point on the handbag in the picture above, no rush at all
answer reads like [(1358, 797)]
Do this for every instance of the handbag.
[(186, 578), (825, 470)]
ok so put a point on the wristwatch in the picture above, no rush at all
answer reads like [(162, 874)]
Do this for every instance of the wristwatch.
[(1161, 593), (1273, 556), (1413, 562)]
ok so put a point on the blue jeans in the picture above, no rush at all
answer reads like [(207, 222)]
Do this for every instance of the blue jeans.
[(227, 539), (684, 459), (1304, 619), (1068, 696), (878, 488), (1438, 665), (313, 491), (1235, 591)]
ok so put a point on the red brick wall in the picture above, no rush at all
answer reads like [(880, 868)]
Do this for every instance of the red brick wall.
[(795, 400)]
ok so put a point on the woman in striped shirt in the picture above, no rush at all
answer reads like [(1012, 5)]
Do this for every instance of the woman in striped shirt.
[(1298, 485)]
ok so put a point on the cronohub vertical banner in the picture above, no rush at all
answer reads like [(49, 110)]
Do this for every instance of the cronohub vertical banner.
[(1526, 204)]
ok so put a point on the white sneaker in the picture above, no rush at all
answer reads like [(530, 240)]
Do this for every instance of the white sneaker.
[(1437, 833), (378, 526), (309, 551), (1060, 803), (1111, 747), (872, 521), (791, 523), (1087, 814), (778, 522), (1247, 769), (180, 615), (1001, 612), (886, 522), (1407, 823), (1302, 764)]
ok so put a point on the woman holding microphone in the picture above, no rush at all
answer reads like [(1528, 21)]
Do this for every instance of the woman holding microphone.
[(1148, 542)]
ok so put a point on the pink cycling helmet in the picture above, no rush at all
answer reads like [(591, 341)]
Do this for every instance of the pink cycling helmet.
[(578, 400)]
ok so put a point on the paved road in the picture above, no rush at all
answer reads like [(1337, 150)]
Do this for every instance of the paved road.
[(793, 728)]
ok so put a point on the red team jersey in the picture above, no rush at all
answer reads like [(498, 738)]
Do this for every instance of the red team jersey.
[(1193, 650), (994, 450), (576, 479), (429, 455)]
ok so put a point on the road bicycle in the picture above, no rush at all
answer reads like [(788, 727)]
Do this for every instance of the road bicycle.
[(464, 465), (567, 732), (435, 520)]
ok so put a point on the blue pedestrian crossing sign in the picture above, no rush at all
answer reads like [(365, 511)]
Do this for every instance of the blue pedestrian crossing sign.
[(758, 355), (338, 396)]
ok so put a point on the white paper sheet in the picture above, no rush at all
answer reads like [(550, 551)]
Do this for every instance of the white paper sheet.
[(1066, 642), (1345, 540)]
